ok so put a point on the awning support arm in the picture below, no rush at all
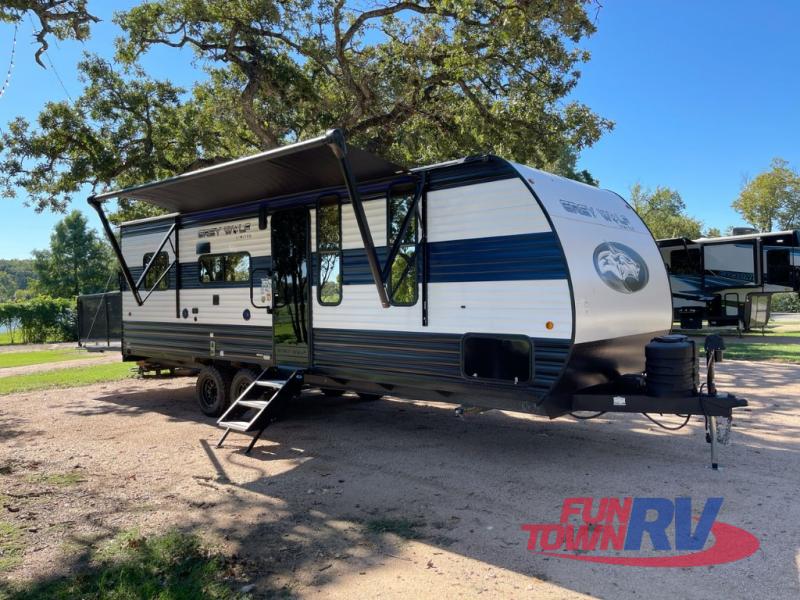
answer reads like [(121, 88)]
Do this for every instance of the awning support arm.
[(134, 286), (337, 144)]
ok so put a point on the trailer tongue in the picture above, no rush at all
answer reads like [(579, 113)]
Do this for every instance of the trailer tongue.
[(634, 394)]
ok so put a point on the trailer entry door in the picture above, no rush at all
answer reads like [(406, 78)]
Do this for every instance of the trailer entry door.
[(291, 292)]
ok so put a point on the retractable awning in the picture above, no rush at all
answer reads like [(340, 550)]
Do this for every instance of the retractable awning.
[(299, 167), (325, 161)]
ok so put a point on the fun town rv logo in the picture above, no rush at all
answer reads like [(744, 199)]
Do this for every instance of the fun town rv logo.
[(620, 267), (591, 528)]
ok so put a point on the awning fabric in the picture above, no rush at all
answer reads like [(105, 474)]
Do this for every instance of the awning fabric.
[(296, 168)]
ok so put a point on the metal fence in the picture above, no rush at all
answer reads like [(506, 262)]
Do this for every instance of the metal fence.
[(100, 318)]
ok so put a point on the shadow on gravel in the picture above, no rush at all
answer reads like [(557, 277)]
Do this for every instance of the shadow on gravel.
[(323, 483)]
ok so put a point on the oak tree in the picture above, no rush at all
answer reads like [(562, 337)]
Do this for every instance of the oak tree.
[(415, 81), (62, 19)]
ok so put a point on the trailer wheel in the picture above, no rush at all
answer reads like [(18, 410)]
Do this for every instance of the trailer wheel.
[(241, 381), (331, 392), (212, 389), (369, 397)]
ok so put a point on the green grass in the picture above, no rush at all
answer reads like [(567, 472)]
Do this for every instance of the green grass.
[(11, 546), (400, 527), (789, 353), (63, 479), (173, 566), (64, 378), (21, 359)]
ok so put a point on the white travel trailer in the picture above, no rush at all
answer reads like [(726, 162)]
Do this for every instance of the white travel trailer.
[(730, 280), (476, 281)]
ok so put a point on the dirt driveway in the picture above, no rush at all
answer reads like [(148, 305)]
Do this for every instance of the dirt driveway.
[(304, 513)]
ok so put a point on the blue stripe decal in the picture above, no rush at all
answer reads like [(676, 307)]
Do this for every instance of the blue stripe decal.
[(529, 256)]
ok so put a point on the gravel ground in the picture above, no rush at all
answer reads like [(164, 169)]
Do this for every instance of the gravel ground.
[(297, 512)]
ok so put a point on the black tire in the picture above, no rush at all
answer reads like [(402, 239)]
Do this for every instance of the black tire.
[(242, 379), (364, 397), (212, 390), (331, 392)]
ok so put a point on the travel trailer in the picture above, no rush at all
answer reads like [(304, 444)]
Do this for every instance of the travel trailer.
[(730, 280), (477, 281)]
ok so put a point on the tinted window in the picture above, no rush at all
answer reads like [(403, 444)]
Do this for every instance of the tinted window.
[(685, 262), (403, 280), (226, 268), (779, 267), (329, 251), (160, 265)]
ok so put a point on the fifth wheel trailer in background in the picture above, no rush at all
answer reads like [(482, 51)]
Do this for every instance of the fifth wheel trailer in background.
[(730, 280)]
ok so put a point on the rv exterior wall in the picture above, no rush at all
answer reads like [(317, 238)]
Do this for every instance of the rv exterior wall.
[(508, 246), (501, 210)]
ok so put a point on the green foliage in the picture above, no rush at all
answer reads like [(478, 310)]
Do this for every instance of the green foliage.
[(172, 566), (712, 232), (772, 198), (15, 275), (125, 128), (788, 302), (62, 19), (663, 211), (40, 319), (8, 286), (417, 82), (78, 261)]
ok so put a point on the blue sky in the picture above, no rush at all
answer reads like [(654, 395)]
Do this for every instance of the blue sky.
[(703, 93)]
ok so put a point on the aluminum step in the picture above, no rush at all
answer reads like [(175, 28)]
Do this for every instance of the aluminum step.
[(258, 404), (272, 383), (235, 425), (265, 409)]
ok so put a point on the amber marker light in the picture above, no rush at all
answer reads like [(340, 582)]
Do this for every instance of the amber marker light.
[(549, 325)]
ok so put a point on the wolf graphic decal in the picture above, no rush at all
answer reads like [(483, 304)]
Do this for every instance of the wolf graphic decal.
[(620, 267)]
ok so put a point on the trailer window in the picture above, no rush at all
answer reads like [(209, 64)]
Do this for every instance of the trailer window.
[(506, 358), (160, 265), (403, 281), (779, 267), (329, 251), (685, 262), (224, 268)]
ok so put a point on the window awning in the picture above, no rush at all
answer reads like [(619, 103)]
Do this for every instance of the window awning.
[(318, 163), (305, 166)]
